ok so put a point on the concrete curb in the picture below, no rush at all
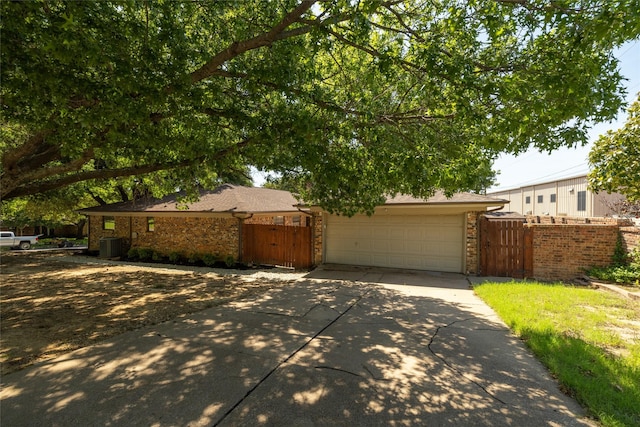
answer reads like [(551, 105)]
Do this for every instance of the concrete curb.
[(616, 289)]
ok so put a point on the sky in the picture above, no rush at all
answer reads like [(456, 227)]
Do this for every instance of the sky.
[(532, 166)]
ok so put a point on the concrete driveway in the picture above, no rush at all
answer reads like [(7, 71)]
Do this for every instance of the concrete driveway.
[(343, 346)]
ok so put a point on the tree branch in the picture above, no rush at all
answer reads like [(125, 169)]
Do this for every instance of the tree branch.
[(238, 48), (43, 186), (551, 5), (36, 144), (15, 180)]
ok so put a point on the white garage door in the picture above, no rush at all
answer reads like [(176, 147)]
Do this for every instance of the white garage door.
[(421, 242)]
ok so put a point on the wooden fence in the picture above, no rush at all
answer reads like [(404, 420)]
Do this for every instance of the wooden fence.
[(279, 245), (506, 248)]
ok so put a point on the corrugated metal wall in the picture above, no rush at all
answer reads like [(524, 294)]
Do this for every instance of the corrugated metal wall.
[(567, 192)]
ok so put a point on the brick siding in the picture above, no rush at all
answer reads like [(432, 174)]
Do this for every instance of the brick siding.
[(630, 238), (563, 251), (122, 230), (288, 220), (472, 243), (218, 236)]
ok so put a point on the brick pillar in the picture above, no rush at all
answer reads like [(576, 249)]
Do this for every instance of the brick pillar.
[(471, 243), (316, 238)]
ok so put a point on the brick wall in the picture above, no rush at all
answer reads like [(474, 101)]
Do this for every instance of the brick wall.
[(562, 251), (218, 236), (472, 243), (288, 220), (630, 237), (122, 230), (547, 219)]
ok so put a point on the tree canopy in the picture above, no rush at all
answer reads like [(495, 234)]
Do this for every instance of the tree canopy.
[(353, 99), (615, 159)]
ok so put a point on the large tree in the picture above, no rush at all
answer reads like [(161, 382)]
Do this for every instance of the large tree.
[(355, 98), (615, 159)]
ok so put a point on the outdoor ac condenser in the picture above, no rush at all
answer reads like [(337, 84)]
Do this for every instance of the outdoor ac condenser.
[(110, 247)]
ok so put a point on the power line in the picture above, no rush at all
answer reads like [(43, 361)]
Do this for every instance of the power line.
[(539, 179), (628, 49)]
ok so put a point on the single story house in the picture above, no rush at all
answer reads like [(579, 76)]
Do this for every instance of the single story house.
[(251, 224), (211, 225)]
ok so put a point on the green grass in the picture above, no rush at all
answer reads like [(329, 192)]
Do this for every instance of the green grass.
[(589, 340)]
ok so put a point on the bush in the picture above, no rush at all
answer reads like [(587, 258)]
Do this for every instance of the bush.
[(145, 254), (620, 256), (157, 256), (628, 273), (133, 254), (230, 261), (209, 260), (193, 258), (175, 257)]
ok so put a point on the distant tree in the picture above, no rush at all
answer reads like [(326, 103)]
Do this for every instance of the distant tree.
[(285, 182), (14, 215), (359, 98), (615, 158)]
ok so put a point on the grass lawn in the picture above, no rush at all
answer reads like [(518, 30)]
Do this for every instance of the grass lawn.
[(589, 339)]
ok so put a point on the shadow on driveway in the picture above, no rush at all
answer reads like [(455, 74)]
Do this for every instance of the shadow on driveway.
[(322, 351)]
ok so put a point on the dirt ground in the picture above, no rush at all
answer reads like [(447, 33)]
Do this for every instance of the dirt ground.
[(52, 304)]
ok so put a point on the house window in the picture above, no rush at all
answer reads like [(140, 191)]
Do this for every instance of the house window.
[(582, 200), (278, 220), (540, 199), (296, 220), (151, 224), (552, 198), (108, 223), (527, 200)]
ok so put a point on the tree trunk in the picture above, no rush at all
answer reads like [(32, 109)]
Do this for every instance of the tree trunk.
[(80, 225)]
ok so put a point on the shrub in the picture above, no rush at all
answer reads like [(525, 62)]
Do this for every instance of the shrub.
[(193, 258), (230, 261), (175, 257), (133, 254), (145, 254), (620, 256), (157, 256), (209, 260), (620, 273)]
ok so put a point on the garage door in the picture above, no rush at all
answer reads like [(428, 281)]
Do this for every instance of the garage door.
[(422, 242)]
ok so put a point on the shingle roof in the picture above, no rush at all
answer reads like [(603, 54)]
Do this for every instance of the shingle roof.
[(504, 215), (226, 198), (440, 198)]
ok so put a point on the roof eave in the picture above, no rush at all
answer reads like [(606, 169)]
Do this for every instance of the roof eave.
[(183, 213), (485, 204)]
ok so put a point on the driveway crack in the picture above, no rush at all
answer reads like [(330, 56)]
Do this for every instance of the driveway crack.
[(289, 357), (331, 368), (453, 368)]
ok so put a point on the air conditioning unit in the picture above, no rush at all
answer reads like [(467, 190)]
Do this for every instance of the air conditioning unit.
[(110, 247)]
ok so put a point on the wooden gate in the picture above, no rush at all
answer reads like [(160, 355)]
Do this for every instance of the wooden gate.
[(505, 248), (279, 245)]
